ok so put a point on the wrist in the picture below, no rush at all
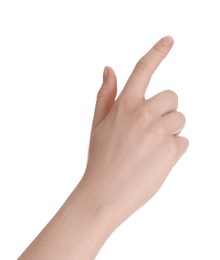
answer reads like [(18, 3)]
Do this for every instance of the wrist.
[(93, 207), (91, 220)]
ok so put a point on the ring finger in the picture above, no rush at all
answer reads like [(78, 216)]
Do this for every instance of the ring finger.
[(171, 123)]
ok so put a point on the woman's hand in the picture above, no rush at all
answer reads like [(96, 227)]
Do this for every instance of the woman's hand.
[(134, 142)]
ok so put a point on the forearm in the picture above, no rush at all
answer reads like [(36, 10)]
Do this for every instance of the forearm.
[(77, 231)]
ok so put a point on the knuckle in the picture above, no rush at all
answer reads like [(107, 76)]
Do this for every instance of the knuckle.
[(102, 92), (158, 48), (172, 147), (141, 65), (143, 115), (151, 133), (182, 118), (172, 96), (160, 129), (155, 129), (140, 112), (122, 104), (185, 142)]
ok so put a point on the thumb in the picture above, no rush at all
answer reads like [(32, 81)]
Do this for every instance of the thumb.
[(105, 97)]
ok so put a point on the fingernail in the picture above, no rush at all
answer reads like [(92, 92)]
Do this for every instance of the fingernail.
[(166, 41), (105, 74)]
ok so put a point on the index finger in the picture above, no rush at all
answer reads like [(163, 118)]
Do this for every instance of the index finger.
[(138, 81)]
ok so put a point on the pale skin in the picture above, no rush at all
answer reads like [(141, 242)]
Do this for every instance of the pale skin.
[(134, 144)]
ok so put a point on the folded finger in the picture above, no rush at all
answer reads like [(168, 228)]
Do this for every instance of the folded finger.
[(170, 123)]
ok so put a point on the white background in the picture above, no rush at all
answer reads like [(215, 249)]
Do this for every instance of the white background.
[(52, 54)]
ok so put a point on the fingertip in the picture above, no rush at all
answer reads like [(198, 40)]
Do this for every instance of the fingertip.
[(110, 70), (109, 82), (105, 73), (167, 41), (111, 75)]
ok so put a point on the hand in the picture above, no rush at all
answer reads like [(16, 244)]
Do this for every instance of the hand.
[(134, 142), (133, 146)]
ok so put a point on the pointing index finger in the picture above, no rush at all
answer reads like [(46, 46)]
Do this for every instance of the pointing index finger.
[(144, 69)]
